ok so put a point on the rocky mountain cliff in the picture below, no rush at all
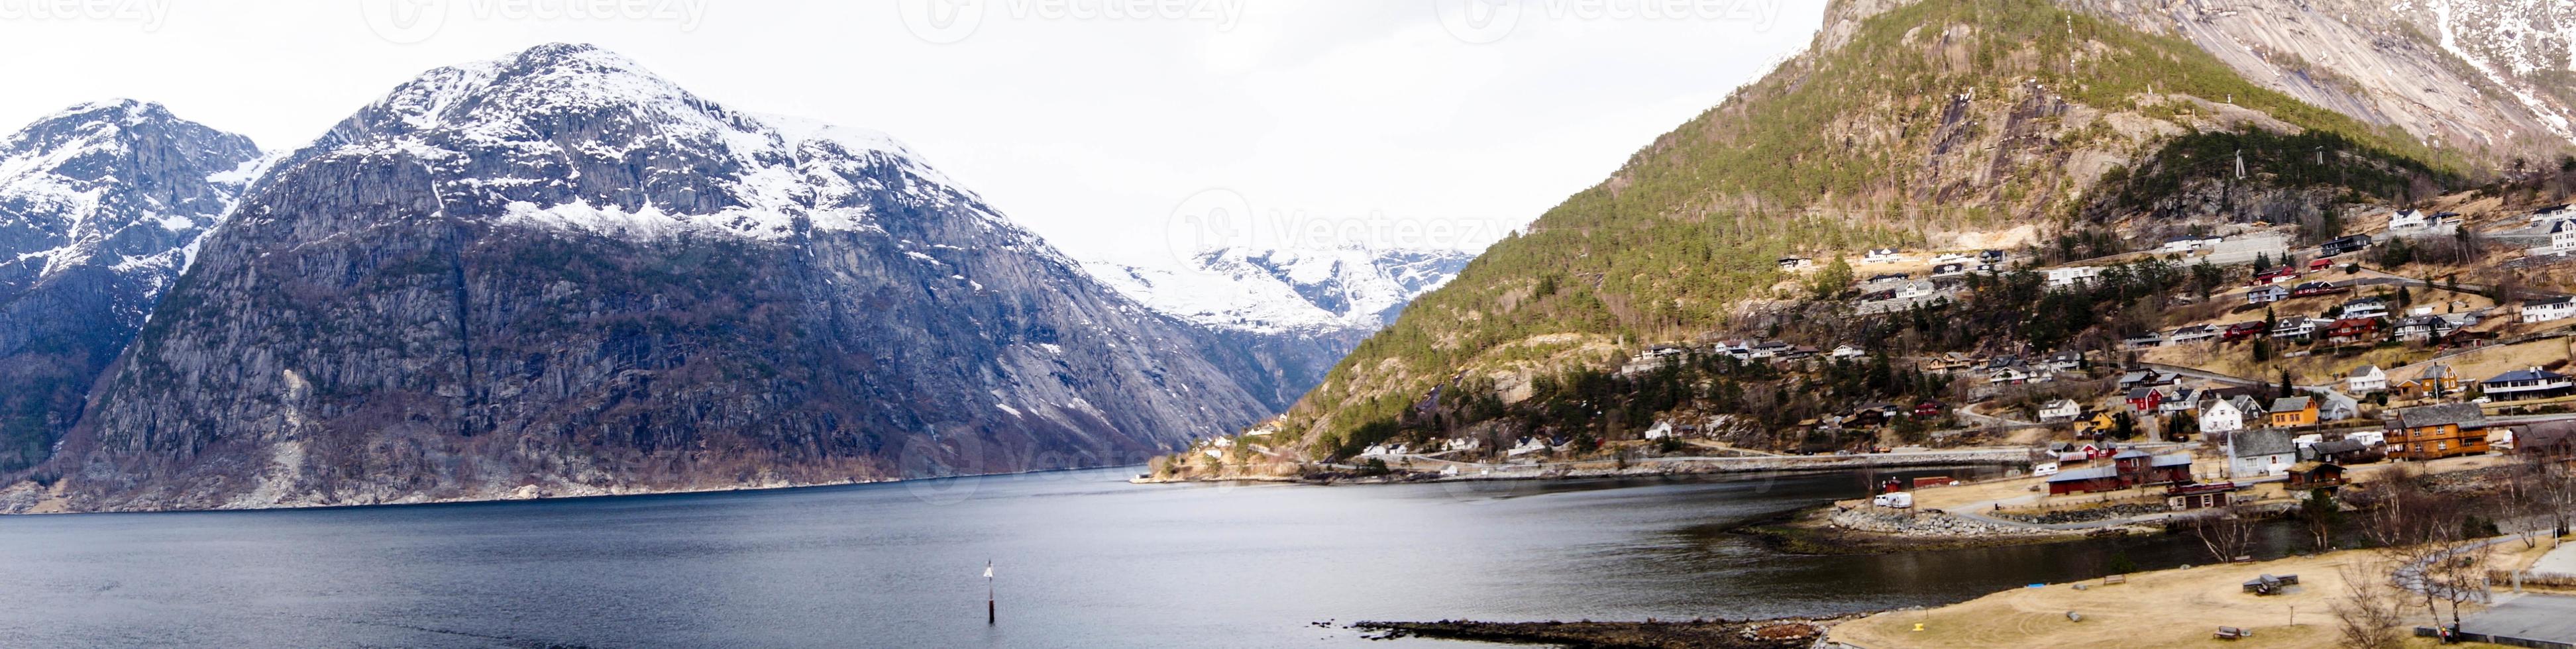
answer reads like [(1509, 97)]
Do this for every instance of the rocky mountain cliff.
[(100, 205), (556, 273), (2495, 79)]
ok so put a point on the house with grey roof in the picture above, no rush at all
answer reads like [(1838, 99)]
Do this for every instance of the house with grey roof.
[(2259, 452)]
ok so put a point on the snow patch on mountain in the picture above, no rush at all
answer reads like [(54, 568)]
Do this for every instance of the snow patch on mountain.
[(66, 195), (1287, 290), (556, 109), (2509, 42)]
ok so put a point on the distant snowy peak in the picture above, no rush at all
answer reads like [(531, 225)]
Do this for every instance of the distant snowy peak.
[(119, 183), (1289, 290), (575, 137)]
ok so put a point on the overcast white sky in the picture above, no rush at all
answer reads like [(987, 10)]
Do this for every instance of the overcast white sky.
[(1108, 126)]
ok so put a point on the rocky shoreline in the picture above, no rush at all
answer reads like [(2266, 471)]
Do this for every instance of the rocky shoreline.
[(1831, 530), (1650, 634), (1646, 468)]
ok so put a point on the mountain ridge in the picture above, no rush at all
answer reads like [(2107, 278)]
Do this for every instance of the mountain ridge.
[(101, 207), (554, 273)]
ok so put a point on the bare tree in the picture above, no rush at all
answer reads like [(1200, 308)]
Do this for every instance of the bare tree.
[(2226, 532), (2368, 614), (2553, 494), (2459, 575), (2412, 528)]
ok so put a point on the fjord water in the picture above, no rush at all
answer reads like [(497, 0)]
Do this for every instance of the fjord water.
[(1083, 560)]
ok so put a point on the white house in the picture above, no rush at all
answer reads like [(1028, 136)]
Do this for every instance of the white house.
[(2188, 243), (2559, 212), (2294, 327), (2148, 340), (2408, 221), (1796, 263), (1526, 446), (2178, 400), (1881, 256), (2191, 334), (1847, 351), (2366, 307), (2061, 410), (2266, 294), (2260, 452), (2547, 309), (2071, 275), (2226, 415), (2562, 238), (1916, 289), (1950, 258), (2366, 379)]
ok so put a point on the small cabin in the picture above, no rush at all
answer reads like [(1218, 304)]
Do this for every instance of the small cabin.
[(2316, 475), (2200, 496)]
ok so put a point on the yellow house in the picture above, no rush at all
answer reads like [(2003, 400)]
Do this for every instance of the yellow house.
[(2101, 421), (2290, 412), (2434, 382)]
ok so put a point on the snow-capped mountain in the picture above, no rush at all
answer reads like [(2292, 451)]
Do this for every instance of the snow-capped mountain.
[(557, 273), (99, 207), (1288, 290)]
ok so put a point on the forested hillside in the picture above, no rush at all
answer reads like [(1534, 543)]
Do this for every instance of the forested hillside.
[(1991, 121)]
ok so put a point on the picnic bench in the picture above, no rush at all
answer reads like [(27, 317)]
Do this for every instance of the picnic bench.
[(2115, 579), (2231, 633), (2270, 584)]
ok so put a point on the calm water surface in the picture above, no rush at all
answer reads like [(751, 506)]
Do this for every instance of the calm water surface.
[(1085, 560)]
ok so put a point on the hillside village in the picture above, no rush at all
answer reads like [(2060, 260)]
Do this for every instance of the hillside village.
[(2228, 365)]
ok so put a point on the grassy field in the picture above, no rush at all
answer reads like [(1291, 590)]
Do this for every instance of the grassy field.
[(2172, 608)]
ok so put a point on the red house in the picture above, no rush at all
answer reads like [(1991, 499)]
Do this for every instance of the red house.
[(2241, 331), (2087, 479), (2145, 399), (2350, 330)]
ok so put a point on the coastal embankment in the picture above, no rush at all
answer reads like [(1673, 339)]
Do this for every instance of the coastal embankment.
[(1430, 469)]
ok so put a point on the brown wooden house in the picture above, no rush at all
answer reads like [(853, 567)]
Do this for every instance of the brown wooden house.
[(2438, 431), (2550, 439)]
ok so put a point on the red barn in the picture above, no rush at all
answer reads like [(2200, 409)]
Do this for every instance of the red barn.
[(2086, 480)]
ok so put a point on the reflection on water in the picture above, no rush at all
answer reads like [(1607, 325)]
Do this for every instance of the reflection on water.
[(1083, 560)]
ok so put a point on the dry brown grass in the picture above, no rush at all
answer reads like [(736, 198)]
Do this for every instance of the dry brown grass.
[(2172, 608)]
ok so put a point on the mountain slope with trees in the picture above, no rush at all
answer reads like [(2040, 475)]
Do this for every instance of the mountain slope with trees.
[(1974, 123)]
